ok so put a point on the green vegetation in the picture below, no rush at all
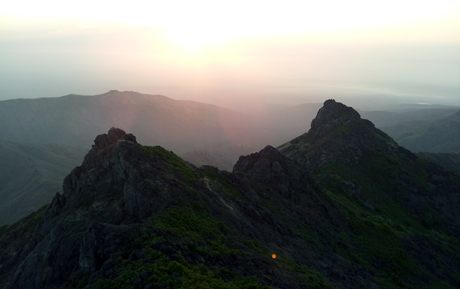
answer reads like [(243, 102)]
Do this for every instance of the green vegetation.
[(30, 221), (305, 277), (376, 242), (3, 229), (175, 164), (201, 247), (312, 279), (220, 181), (187, 248), (369, 195), (375, 178), (166, 273)]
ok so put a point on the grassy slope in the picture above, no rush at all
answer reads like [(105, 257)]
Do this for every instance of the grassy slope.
[(382, 231)]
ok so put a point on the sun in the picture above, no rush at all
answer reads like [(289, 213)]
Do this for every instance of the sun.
[(196, 37)]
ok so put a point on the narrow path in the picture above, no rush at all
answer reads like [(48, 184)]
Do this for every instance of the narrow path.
[(208, 186)]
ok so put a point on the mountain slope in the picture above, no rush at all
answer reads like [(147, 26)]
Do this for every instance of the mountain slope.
[(365, 171), (140, 217), (349, 152), (30, 175), (450, 161), (437, 136)]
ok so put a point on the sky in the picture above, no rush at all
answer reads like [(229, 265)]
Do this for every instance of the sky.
[(229, 52)]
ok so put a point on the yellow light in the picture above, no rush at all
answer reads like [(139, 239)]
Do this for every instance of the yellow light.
[(197, 24), (274, 256)]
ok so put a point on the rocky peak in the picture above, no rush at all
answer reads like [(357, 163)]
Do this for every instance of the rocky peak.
[(105, 144), (113, 157), (338, 134), (332, 115), (110, 138)]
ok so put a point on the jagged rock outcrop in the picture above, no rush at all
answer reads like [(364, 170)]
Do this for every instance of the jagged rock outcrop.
[(333, 115), (338, 133), (276, 173)]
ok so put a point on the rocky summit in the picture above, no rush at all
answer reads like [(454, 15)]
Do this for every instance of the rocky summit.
[(338, 133), (342, 206)]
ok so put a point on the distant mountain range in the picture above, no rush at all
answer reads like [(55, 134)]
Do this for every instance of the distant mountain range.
[(340, 206), (187, 126), (75, 119), (388, 118)]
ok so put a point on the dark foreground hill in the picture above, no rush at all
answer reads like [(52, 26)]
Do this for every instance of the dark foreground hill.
[(342, 206)]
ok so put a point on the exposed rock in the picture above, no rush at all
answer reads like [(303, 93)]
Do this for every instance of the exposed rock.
[(332, 115), (274, 171), (339, 133)]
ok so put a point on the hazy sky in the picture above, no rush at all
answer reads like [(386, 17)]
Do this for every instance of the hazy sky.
[(223, 51)]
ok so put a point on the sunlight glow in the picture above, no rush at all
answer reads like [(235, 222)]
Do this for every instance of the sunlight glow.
[(195, 25)]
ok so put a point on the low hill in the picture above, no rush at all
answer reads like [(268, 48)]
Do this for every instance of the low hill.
[(436, 136), (74, 120)]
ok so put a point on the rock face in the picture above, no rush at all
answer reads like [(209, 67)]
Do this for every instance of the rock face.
[(114, 135), (342, 206), (331, 116), (275, 172)]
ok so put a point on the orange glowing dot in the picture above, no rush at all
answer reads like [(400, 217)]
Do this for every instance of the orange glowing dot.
[(274, 256)]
